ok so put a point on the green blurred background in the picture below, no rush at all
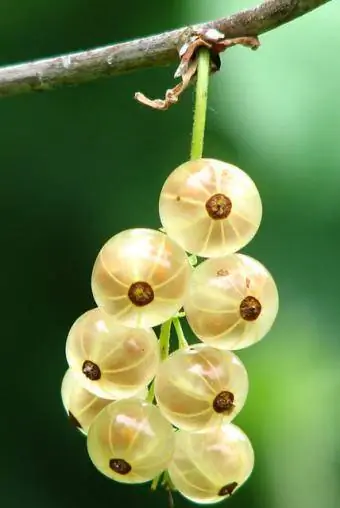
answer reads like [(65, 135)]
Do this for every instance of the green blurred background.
[(79, 165)]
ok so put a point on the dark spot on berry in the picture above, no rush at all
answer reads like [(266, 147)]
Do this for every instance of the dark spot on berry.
[(224, 402), (222, 272), (91, 370), (218, 206), (178, 198), (73, 420), (120, 466), (141, 293), (227, 490), (247, 283), (250, 308)]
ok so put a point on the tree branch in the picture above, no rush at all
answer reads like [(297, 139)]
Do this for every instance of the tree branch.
[(156, 50)]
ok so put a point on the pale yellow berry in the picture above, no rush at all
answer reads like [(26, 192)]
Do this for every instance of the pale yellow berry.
[(109, 359), (81, 405), (208, 467), (200, 387), (210, 208), (232, 301), (130, 441), (140, 277)]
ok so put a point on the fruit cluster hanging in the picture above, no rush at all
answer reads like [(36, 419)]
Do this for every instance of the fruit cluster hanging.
[(149, 415)]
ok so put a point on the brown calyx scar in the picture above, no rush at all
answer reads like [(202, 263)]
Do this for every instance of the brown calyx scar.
[(120, 466), (141, 293)]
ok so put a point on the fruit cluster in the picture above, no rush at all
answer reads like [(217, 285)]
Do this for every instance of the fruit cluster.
[(143, 278)]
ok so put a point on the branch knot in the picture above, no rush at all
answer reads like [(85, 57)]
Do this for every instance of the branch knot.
[(189, 44)]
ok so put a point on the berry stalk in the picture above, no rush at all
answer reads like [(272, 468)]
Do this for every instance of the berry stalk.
[(164, 347), (164, 339), (201, 99), (182, 342)]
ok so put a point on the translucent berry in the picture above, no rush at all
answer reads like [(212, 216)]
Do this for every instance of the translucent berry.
[(81, 405), (232, 302), (130, 441), (210, 208), (111, 360), (200, 387), (208, 467), (140, 277)]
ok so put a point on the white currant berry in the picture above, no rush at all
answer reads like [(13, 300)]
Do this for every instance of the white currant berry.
[(140, 277), (208, 467), (232, 301), (81, 405), (111, 360), (199, 387), (210, 208), (130, 441)]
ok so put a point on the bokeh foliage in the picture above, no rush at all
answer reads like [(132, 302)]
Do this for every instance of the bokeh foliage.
[(80, 164)]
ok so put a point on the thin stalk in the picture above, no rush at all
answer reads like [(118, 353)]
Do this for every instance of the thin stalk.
[(164, 339), (182, 342), (151, 393), (201, 99), (164, 346), (155, 482)]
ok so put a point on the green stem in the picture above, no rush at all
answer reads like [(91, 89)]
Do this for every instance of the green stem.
[(151, 394), (193, 259), (203, 72), (182, 342), (164, 346), (164, 339), (167, 481), (155, 482)]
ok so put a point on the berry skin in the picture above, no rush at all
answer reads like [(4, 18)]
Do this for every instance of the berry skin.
[(199, 387), (140, 277), (232, 302), (208, 467), (110, 360), (130, 441), (81, 405), (210, 208)]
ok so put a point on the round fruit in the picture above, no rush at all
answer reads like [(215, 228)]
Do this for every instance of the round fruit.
[(111, 360), (140, 277), (199, 387), (232, 302), (208, 467), (210, 208), (130, 441), (81, 405)]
